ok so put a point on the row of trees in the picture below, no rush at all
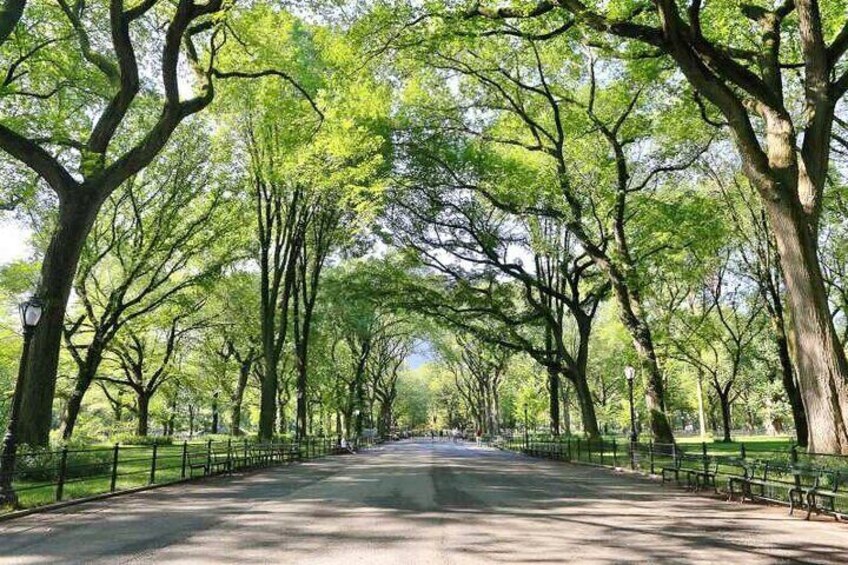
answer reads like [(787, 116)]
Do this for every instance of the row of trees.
[(223, 190)]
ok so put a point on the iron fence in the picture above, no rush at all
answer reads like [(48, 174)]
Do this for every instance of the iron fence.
[(48, 476), (789, 467)]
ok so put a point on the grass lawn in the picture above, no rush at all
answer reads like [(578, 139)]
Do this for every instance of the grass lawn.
[(757, 444), (89, 472)]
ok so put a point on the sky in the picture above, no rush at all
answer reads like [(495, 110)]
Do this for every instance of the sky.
[(13, 241)]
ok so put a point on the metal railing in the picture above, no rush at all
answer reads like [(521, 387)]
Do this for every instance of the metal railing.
[(651, 458), (49, 476)]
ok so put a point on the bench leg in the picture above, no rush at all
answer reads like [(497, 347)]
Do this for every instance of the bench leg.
[(811, 503)]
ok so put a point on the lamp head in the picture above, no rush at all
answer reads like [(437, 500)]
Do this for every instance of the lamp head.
[(31, 311), (629, 373)]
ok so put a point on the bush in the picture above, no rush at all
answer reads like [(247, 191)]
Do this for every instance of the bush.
[(129, 439), (43, 466)]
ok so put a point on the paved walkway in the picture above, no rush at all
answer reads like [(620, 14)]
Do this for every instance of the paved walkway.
[(417, 502)]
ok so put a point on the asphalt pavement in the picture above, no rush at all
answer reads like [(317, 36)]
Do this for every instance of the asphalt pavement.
[(422, 502)]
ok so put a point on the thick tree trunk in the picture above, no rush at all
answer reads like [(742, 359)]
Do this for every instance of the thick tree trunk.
[(76, 216), (587, 405), (820, 359), (143, 414), (238, 399)]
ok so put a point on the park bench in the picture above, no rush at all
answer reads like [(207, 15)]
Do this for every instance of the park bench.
[(197, 460), (705, 476), (208, 461), (761, 480), (682, 463), (822, 494)]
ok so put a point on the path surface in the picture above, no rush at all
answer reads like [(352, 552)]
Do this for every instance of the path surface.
[(417, 502)]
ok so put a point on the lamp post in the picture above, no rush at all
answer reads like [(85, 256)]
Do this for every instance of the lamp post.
[(30, 316), (630, 374)]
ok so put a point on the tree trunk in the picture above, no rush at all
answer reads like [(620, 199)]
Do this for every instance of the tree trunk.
[(143, 414), (76, 216), (215, 413), (566, 408), (725, 416), (268, 394), (238, 399), (300, 422), (553, 395), (85, 376), (587, 405), (702, 424), (793, 395), (820, 359)]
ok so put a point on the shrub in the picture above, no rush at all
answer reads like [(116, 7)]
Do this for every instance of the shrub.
[(43, 466), (129, 439)]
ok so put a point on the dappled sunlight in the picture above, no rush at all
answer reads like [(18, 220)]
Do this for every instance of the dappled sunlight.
[(425, 502)]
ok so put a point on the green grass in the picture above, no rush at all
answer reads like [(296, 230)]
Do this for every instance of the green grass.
[(759, 444), (89, 472)]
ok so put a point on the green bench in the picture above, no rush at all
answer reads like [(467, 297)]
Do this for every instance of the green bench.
[(760, 480)]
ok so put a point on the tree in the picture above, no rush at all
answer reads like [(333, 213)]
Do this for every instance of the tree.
[(146, 359), (750, 79), (76, 56), (161, 235), (720, 330)]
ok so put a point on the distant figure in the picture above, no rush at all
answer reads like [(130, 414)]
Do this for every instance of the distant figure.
[(479, 437), (346, 446)]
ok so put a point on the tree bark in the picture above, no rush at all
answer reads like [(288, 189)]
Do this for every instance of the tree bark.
[(793, 395), (553, 395), (76, 217), (725, 416), (238, 398), (820, 358), (215, 413), (85, 376), (143, 414)]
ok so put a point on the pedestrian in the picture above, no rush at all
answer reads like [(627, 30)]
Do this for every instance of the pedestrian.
[(479, 437)]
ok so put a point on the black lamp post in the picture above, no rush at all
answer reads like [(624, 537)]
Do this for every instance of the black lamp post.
[(30, 316), (630, 374)]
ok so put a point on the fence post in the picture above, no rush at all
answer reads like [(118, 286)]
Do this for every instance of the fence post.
[(185, 460), (589, 448), (704, 455), (63, 467), (229, 455), (794, 459), (209, 457), (614, 453), (742, 450), (578, 449), (244, 443), (651, 454), (113, 483), (153, 463), (568, 447), (602, 450)]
